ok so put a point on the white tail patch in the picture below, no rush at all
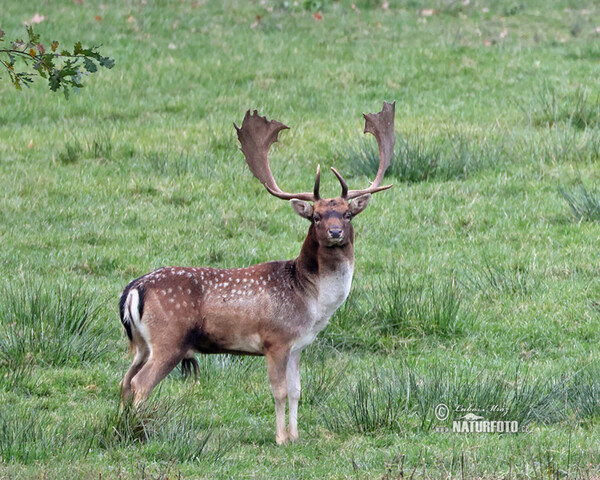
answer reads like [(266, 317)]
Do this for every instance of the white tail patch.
[(133, 317), (132, 310)]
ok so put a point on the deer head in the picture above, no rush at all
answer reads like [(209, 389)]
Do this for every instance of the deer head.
[(330, 218)]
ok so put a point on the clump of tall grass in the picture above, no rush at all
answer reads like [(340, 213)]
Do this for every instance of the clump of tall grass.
[(371, 404), (579, 108), (347, 328), (28, 435), (214, 370), (561, 144), (413, 161), (395, 309), (43, 325), (584, 203), (394, 399), (419, 158), (321, 377), (582, 394), (178, 164), (490, 278), (169, 430), (405, 307), (98, 146)]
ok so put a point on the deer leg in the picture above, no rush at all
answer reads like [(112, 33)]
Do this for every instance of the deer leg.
[(141, 356), (293, 389), (276, 368), (158, 366)]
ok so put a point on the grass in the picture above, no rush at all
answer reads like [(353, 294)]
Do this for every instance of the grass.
[(578, 108), (167, 430), (475, 280), (49, 325), (584, 204), (453, 155), (492, 279)]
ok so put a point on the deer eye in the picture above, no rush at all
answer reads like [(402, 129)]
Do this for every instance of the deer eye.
[(316, 218), (348, 216)]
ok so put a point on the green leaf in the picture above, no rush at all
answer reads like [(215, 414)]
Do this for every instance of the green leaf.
[(106, 62), (34, 38), (54, 81), (89, 65)]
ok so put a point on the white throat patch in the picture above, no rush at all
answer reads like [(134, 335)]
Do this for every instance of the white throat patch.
[(334, 288)]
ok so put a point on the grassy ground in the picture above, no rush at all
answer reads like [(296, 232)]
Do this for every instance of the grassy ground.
[(476, 279)]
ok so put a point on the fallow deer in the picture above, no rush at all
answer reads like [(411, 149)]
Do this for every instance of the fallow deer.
[(274, 309)]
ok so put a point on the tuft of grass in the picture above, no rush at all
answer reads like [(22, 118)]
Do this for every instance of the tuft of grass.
[(584, 203), (71, 153), (28, 435), (168, 430), (414, 160), (99, 146), (560, 145), (405, 308), (392, 399), (582, 395), (490, 278), (346, 329), (464, 155), (179, 164), (41, 325), (579, 109), (419, 158), (402, 309), (371, 404), (321, 379)]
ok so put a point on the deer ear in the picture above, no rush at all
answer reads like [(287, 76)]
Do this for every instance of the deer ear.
[(359, 204), (302, 208)]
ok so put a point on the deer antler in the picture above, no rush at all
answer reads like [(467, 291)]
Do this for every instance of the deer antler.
[(256, 136), (382, 126)]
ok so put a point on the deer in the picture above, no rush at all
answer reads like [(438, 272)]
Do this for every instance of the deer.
[(273, 309)]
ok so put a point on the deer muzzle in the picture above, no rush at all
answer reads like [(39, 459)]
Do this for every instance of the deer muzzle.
[(335, 235)]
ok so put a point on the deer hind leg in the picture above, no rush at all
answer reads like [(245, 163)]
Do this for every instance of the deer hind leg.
[(276, 368), (141, 357), (157, 367), (293, 390)]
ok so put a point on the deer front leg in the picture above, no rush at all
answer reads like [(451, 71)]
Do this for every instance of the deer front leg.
[(293, 389), (276, 368)]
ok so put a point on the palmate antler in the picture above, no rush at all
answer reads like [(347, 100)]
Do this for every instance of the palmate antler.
[(381, 125), (257, 134)]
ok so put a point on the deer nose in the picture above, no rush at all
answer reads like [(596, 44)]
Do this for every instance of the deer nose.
[(335, 232)]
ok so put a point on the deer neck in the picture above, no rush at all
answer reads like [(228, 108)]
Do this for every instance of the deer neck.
[(325, 271)]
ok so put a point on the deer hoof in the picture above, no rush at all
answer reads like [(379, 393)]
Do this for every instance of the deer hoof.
[(281, 439)]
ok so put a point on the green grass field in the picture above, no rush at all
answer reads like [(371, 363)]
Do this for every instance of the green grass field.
[(476, 280)]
